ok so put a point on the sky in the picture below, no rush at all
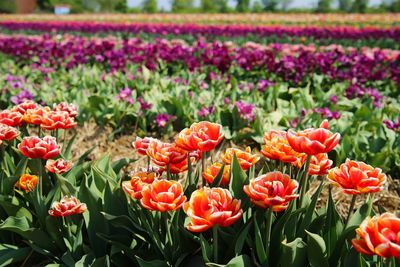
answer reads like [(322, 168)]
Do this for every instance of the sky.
[(166, 4)]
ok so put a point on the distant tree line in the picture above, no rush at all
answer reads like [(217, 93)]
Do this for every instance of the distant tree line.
[(221, 6)]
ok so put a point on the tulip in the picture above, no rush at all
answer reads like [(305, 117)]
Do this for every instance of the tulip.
[(163, 195), (203, 136), (70, 108), (141, 144), (379, 235), (35, 116), (164, 154), (211, 206), (35, 147), (245, 158), (7, 133), (54, 120), (212, 171), (23, 107), (10, 118), (355, 177), (273, 189), (58, 166), (277, 148), (319, 164), (134, 186), (27, 182), (66, 207), (313, 141)]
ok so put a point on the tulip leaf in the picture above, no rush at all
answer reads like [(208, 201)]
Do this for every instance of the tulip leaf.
[(218, 178), (67, 150), (333, 225), (238, 179), (260, 249), (12, 254), (239, 261), (119, 164), (294, 253), (305, 223), (316, 250), (205, 249), (241, 238)]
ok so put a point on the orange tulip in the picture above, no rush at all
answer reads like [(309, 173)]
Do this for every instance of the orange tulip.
[(10, 118), (203, 136), (57, 120), (66, 207), (7, 133), (211, 206), (163, 154), (141, 145), (212, 171), (245, 158), (27, 182), (163, 195), (134, 186), (273, 189), (34, 147), (355, 177), (313, 141), (35, 116), (58, 166), (379, 235), (23, 107), (319, 164), (277, 147)]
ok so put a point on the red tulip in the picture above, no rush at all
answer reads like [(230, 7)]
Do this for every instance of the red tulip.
[(27, 182), (245, 158), (212, 171), (54, 120), (273, 189), (163, 154), (313, 141), (23, 107), (58, 166), (355, 177), (379, 235), (141, 144), (7, 133), (70, 108), (35, 116), (134, 186), (10, 118), (66, 207), (35, 147)]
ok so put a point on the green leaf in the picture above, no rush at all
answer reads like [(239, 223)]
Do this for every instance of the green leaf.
[(205, 249), (316, 250), (294, 253), (12, 254), (260, 249), (333, 225), (67, 153), (241, 238), (238, 179), (305, 223), (240, 261), (153, 263), (219, 176)]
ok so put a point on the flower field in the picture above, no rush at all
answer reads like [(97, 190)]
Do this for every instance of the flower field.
[(256, 143)]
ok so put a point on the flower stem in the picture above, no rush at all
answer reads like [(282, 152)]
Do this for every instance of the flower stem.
[(215, 242), (168, 172), (268, 225), (203, 165), (353, 201), (167, 230), (304, 180), (40, 170)]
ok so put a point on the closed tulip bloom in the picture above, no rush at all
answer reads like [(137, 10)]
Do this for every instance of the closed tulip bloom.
[(163, 154), (319, 164), (27, 182), (58, 166), (134, 186), (355, 177), (7, 133), (35, 116), (163, 195), (277, 147), (34, 147), (23, 107), (70, 108), (10, 118), (141, 144), (66, 207), (245, 158), (379, 235), (313, 141), (54, 120), (211, 206), (212, 171), (273, 189), (203, 136)]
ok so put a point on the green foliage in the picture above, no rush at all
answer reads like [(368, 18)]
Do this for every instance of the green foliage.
[(324, 6), (359, 6), (182, 6), (150, 6)]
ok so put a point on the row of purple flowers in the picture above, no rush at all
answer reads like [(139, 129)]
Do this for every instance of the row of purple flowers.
[(292, 63), (209, 30)]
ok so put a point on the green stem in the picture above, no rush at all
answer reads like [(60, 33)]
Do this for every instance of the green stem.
[(168, 172), (40, 174), (215, 242), (268, 225), (189, 174), (64, 146), (353, 201), (304, 180), (203, 166), (167, 229), (40, 131), (148, 163)]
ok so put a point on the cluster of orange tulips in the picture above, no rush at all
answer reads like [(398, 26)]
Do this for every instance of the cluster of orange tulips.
[(215, 206)]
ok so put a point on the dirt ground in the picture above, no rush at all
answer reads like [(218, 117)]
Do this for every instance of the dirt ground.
[(91, 135)]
